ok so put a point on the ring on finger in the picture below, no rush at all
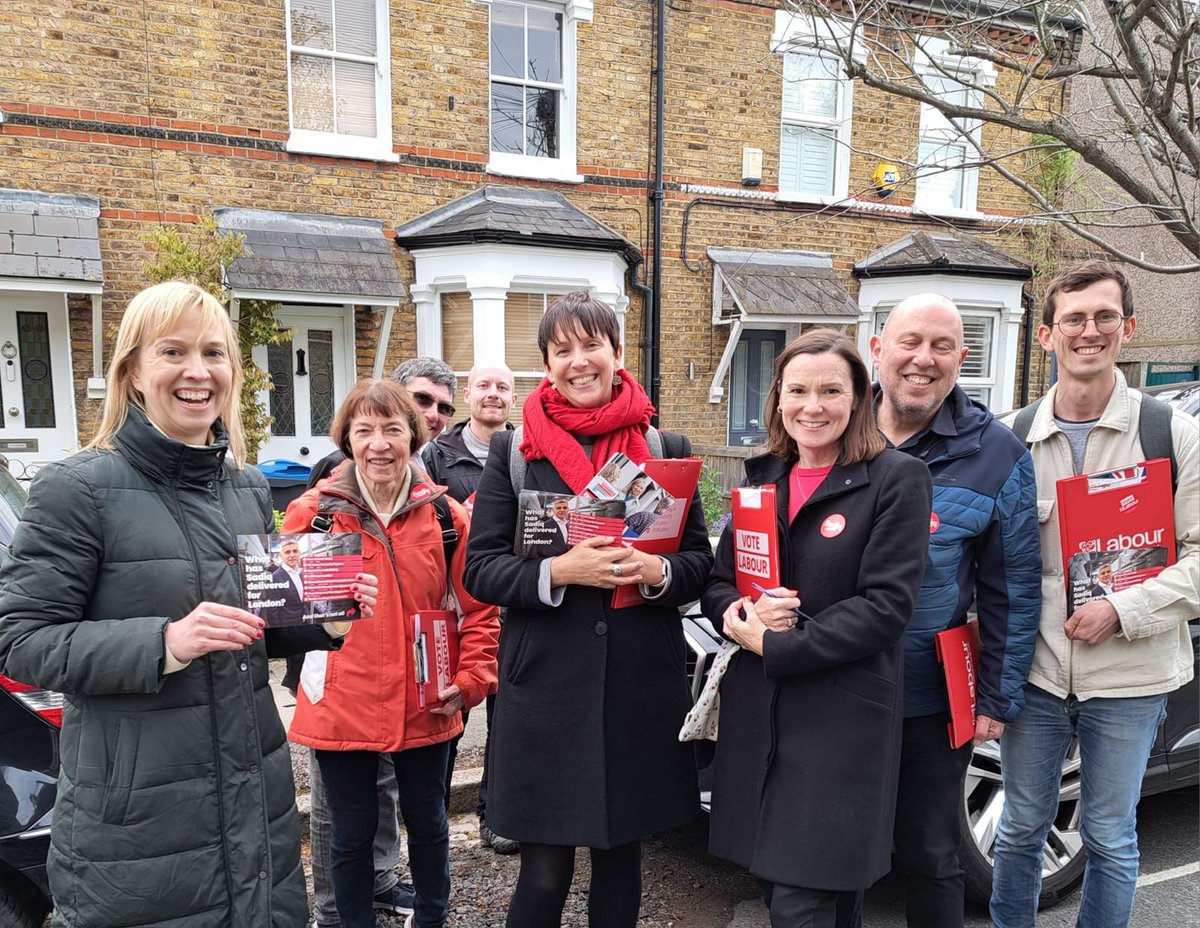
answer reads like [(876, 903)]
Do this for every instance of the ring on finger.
[(616, 570)]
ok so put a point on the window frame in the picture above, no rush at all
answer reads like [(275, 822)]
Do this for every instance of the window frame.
[(935, 63), (564, 167), (334, 144), (797, 34)]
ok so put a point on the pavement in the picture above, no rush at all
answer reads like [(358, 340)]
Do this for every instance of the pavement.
[(464, 787)]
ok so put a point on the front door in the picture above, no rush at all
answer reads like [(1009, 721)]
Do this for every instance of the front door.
[(749, 382), (311, 373), (37, 397)]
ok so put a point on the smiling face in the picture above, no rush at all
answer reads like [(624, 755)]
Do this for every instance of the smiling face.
[(1105, 574), (184, 376), (380, 447), (290, 553), (561, 509), (1090, 355), (816, 398), (918, 358), (489, 395), (581, 367)]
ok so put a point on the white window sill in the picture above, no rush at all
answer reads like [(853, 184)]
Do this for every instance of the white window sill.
[(533, 168), (356, 148), (796, 196), (949, 212)]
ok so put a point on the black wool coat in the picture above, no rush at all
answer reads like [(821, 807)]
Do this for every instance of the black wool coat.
[(583, 748), (804, 781), (175, 805)]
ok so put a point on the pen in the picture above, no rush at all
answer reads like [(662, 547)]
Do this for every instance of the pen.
[(765, 592)]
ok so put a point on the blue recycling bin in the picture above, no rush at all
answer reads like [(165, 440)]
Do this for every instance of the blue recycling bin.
[(287, 479)]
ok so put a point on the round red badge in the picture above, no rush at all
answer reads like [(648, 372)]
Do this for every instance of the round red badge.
[(419, 493), (834, 525), (934, 522)]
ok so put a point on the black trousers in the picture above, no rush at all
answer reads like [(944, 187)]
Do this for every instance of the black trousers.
[(927, 837), (800, 907)]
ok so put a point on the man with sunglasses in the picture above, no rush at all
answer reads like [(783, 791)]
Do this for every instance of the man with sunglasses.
[(432, 384), (1104, 671)]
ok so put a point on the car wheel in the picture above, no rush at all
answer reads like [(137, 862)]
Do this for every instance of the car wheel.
[(19, 911), (979, 820)]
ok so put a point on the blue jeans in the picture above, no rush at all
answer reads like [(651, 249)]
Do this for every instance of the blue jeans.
[(350, 789), (1115, 737)]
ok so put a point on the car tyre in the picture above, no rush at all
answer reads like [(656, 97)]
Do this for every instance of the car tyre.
[(979, 820), (19, 911)]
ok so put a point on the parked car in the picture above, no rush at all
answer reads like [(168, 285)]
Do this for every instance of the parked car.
[(29, 723), (1184, 396)]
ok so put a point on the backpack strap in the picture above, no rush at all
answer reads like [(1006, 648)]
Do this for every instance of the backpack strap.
[(449, 533), (1024, 420), (1154, 432)]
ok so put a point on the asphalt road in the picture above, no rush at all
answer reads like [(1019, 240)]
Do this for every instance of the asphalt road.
[(1168, 894)]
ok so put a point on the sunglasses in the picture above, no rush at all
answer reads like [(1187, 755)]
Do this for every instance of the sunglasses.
[(424, 400)]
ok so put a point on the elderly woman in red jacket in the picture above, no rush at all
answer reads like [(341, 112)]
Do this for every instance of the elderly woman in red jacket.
[(366, 701)]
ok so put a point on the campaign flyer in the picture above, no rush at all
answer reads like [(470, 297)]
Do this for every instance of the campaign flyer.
[(300, 579), (1117, 529), (550, 523), (645, 500)]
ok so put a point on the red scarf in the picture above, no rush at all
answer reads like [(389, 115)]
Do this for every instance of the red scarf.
[(619, 425)]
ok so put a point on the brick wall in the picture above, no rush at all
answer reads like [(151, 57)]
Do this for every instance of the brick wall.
[(165, 115)]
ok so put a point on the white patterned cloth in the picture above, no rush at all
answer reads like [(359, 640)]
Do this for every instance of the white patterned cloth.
[(701, 722)]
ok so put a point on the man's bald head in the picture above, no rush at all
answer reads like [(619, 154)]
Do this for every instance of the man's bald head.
[(489, 393)]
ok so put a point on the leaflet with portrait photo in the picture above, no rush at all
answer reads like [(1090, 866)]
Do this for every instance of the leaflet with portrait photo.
[(550, 523), (645, 500), (1117, 529), (300, 579)]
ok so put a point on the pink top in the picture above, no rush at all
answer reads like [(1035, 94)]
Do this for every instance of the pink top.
[(802, 484)]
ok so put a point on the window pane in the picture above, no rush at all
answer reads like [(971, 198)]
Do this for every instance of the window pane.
[(312, 93), (320, 380), (522, 314), (312, 23), (355, 22), (355, 98), (508, 40), (458, 331), (541, 127), (508, 125), (524, 386), (545, 46), (977, 333), (737, 387), (810, 85), (37, 382), (282, 397), (807, 160), (937, 183)]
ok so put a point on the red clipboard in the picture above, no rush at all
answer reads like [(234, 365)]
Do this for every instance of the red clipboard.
[(678, 476), (755, 539), (958, 652), (435, 653)]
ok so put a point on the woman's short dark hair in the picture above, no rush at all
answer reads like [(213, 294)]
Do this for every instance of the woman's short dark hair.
[(1080, 276), (578, 309), (862, 440), (380, 398)]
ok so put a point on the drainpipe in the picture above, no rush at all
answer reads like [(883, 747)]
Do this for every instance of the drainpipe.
[(654, 307), (1026, 344)]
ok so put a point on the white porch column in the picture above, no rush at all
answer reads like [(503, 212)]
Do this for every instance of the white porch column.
[(429, 320), (1010, 340), (487, 304)]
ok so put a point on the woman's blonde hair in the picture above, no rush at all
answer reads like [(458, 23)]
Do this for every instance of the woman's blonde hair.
[(152, 313)]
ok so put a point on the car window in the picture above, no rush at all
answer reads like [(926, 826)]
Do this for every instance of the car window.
[(12, 501)]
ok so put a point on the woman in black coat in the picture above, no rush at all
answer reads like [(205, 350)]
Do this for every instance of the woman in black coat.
[(804, 783), (583, 750)]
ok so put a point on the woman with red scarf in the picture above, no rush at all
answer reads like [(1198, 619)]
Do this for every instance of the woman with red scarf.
[(583, 751)]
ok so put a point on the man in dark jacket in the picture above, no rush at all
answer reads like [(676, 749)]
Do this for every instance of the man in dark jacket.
[(292, 612), (983, 548), (455, 459)]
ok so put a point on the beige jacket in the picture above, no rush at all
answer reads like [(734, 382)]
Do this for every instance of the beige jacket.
[(1152, 653)]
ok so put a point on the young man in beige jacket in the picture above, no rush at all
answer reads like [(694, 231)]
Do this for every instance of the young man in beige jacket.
[(1104, 671)]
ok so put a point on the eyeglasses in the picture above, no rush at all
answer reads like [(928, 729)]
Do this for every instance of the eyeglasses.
[(424, 400), (1106, 322)]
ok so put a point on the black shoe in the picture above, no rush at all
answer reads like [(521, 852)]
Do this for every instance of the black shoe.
[(497, 843), (399, 900)]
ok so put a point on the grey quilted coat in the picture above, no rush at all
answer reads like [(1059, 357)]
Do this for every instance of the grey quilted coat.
[(176, 803)]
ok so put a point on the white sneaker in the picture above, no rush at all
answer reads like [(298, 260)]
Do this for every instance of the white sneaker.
[(408, 922)]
